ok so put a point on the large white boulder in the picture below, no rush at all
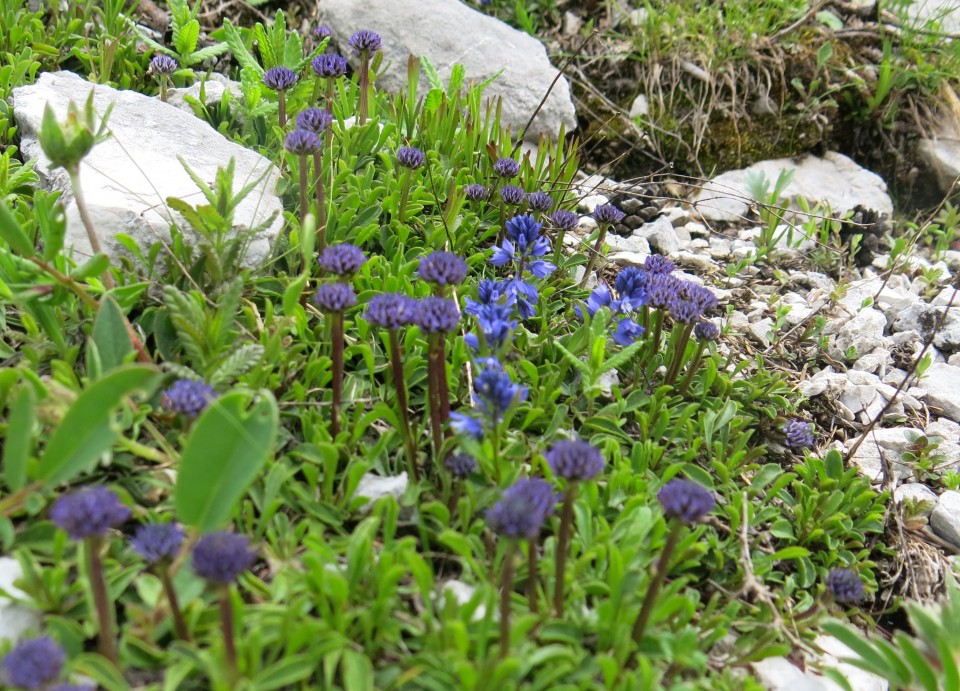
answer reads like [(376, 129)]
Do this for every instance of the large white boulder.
[(448, 32), (127, 179)]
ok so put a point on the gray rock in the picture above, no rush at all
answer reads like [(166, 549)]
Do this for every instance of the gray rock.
[(127, 178), (923, 318), (826, 381), (864, 332), (16, 618), (892, 442), (628, 258), (916, 492), (942, 382), (449, 32), (661, 235), (833, 651), (945, 518), (943, 428), (375, 487), (834, 180), (213, 88), (779, 674)]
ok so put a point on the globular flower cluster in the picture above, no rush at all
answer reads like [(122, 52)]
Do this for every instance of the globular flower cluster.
[(442, 268), (506, 168), (607, 213), (685, 500), (89, 512), (343, 259), (365, 41), (33, 664), (222, 556), (460, 465), (706, 331), (334, 297), (391, 310), (157, 541), (845, 585), (188, 397), (522, 509), (799, 434), (574, 460), (329, 66), (494, 393), (437, 315), (280, 78), (512, 195), (522, 247), (540, 202), (322, 32), (315, 120), (163, 64), (302, 142), (476, 192), (563, 219), (410, 157)]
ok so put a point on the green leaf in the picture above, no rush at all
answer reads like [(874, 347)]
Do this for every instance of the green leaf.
[(239, 49), (286, 673), (357, 671), (292, 293), (16, 446), (225, 452), (433, 79), (12, 233), (186, 39), (110, 335), (86, 430)]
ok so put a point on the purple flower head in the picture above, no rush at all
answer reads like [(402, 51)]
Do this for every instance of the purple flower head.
[(564, 220), (322, 32), (460, 464), (157, 541), (658, 264), (523, 230), (627, 332), (89, 512), (706, 331), (437, 315), (690, 302), (574, 460), (489, 291), (329, 65), (522, 509), (466, 425), (365, 41), (188, 397), (302, 142), (495, 324), (163, 64), (512, 195), (600, 297), (343, 260), (845, 585), (506, 168), (476, 192), (280, 78), (607, 213), (315, 120), (522, 243), (523, 294), (799, 434), (442, 268), (334, 297), (72, 687), (410, 157), (630, 285), (662, 290), (391, 310), (222, 556), (539, 201), (685, 500), (494, 391), (33, 664)]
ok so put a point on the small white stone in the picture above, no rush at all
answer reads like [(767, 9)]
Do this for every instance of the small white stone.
[(628, 258), (779, 674), (942, 383), (590, 203), (375, 487), (16, 618), (462, 594), (833, 651), (916, 492), (945, 519), (640, 107)]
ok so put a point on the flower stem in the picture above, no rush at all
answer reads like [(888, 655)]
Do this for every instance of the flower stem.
[(433, 388), (678, 353), (337, 358), (74, 173), (179, 625), (533, 579), (364, 85), (404, 195), (506, 590), (321, 201), (304, 204), (98, 585), (396, 368), (592, 259), (226, 624), (691, 370), (282, 108), (563, 545), (663, 565)]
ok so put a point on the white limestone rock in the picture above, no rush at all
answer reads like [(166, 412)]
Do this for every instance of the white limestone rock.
[(127, 179), (918, 493), (16, 617), (942, 382), (863, 332), (833, 651), (892, 442), (924, 318), (661, 235), (374, 487), (833, 179), (945, 518), (213, 88), (448, 33)]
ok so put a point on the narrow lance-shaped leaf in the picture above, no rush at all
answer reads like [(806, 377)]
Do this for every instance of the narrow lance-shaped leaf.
[(16, 446), (225, 452)]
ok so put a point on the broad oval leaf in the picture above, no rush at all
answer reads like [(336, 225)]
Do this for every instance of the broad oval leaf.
[(86, 430), (227, 448), (110, 335)]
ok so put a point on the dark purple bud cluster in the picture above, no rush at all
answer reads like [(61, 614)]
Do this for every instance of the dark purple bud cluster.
[(845, 585), (523, 509), (460, 465), (33, 664), (410, 157), (280, 78), (476, 192), (506, 168), (442, 268), (365, 41), (314, 120), (564, 220), (188, 397), (437, 315), (329, 66), (574, 460), (512, 195), (685, 500), (334, 297), (157, 541), (607, 213), (163, 64), (539, 201), (222, 556), (391, 310), (799, 434), (322, 32), (343, 260), (302, 142), (89, 512), (706, 331)]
